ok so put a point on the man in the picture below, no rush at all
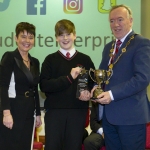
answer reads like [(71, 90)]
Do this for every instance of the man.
[(127, 109), (96, 139)]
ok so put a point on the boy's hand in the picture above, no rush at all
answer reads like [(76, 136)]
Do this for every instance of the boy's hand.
[(75, 72), (85, 95)]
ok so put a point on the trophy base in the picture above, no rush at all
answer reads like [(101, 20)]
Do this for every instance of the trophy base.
[(93, 98)]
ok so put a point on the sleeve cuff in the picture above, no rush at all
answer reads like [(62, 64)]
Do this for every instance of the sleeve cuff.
[(100, 131), (70, 79), (111, 96)]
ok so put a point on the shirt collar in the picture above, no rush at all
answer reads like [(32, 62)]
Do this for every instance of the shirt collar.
[(72, 51), (122, 40)]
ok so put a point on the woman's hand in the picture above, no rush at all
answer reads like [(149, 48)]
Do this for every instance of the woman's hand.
[(7, 119)]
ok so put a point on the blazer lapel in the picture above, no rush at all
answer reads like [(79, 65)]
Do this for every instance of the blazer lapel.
[(21, 65), (33, 68)]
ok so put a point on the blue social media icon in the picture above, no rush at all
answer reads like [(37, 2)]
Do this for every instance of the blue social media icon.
[(36, 7), (4, 5)]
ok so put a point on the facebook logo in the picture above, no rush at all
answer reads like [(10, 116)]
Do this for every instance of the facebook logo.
[(4, 5), (36, 7)]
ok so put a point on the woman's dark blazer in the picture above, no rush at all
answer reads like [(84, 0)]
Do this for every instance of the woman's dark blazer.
[(23, 105)]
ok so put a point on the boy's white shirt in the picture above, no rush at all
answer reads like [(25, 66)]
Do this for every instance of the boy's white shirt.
[(72, 51)]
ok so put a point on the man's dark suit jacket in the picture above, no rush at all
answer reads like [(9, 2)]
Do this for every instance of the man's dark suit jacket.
[(131, 76)]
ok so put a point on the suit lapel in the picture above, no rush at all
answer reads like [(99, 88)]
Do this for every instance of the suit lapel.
[(124, 44), (21, 65)]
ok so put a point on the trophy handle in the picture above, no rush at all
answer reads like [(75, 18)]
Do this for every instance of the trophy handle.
[(109, 74), (90, 73)]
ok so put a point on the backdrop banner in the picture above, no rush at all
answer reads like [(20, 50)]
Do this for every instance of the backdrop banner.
[(89, 16)]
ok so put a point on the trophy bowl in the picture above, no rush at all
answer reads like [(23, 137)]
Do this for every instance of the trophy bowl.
[(100, 76)]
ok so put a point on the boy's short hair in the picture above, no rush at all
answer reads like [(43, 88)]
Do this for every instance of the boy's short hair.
[(25, 26), (64, 26)]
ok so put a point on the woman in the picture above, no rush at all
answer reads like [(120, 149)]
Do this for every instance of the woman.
[(19, 78)]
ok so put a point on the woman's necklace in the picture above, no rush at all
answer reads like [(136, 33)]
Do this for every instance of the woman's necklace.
[(26, 60), (27, 63)]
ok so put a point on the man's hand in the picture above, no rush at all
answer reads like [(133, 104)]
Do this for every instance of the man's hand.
[(103, 135), (95, 87), (104, 98)]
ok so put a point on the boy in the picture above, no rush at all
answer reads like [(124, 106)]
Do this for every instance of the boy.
[(66, 115)]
